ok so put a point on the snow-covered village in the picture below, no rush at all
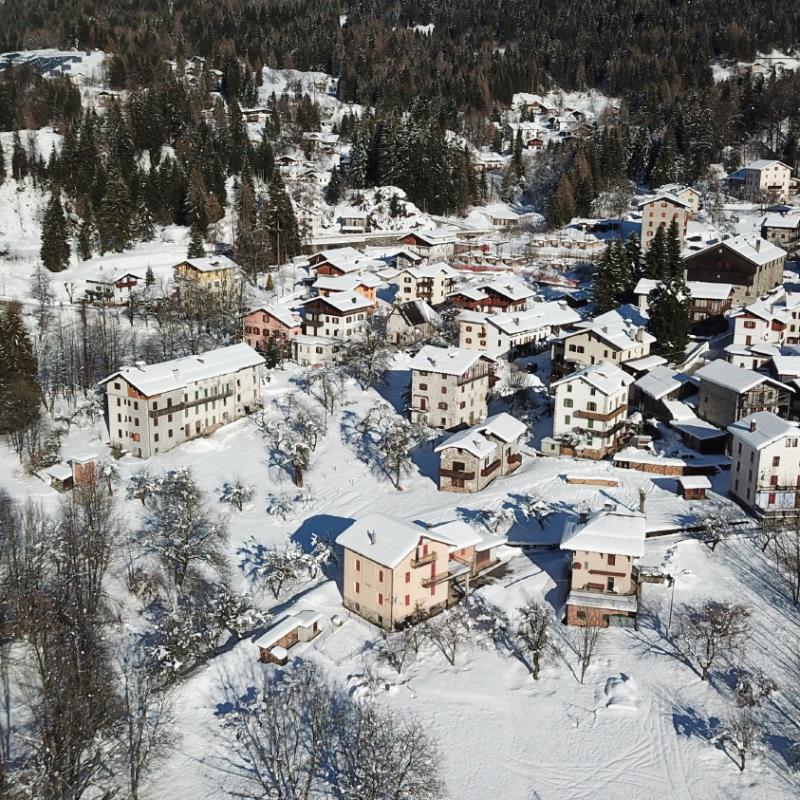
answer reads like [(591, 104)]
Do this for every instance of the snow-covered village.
[(410, 451)]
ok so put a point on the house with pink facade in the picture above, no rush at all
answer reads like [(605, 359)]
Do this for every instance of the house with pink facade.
[(396, 570), (275, 323)]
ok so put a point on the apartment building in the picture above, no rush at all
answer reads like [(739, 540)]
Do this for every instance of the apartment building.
[(771, 320), (152, 408), (276, 323), (364, 283), (215, 274), (728, 393), (430, 243), (503, 294), (428, 282), (751, 264), (659, 212), (608, 338), (782, 229), (765, 463), (410, 322), (449, 386), (682, 192), (603, 581), (314, 351), (590, 410), (768, 178), (341, 315), (513, 333), (471, 459), (396, 570)]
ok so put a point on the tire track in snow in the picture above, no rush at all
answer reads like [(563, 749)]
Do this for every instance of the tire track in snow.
[(669, 744)]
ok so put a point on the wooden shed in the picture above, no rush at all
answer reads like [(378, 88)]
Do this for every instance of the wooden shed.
[(694, 487), (274, 645)]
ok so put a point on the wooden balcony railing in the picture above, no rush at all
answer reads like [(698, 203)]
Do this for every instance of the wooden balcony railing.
[(514, 458), (421, 561), (491, 468), (456, 473), (440, 577), (601, 417)]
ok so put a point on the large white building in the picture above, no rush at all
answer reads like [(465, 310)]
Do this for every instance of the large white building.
[(765, 463), (590, 411), (429, 282), (769, 178), (449, 386), (513, 332), (154, 407)]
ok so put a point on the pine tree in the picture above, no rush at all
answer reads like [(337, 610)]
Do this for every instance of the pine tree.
[(665, 169), (143, 228), (86, 237), (149, 277), (281, 222), (357, 162), (20, 394), (655, 259), (673, 261), (633, 255), (55, 247), (2, 164), (333, 190), (196, 247), (604, 283), (669, 319), (519, 166), (116, 215), (19, 159)]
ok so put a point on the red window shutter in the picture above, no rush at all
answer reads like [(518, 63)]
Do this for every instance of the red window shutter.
[(358, 587), (433, 589), (380, 599), (358, 565), (408, 574), (612, 559), (380, 575), (408, 599)]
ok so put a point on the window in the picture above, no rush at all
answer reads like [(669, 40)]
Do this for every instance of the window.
[(771, 499), (609, 584), (116, 386), (358, 565), (156, 437), (358, 587), (408, 577), (568, 403), (408, 600), (169, 433), (567, 419), (380, 599), (612, 560), (776, 461), (424, 386), (444, 390), (591, 406), (380, 575), (443, 406)]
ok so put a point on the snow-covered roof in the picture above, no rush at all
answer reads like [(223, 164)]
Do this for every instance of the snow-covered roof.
[(471, 293), (603, 600), (790, 221), (166, 376), (434, 237), (446, 360), (455, 533), (431, 270), (670, 198), (346, 283), (698, 290), (510, 288), (660, 382), (416, 312), (752, 248), (606, 378), (109, 273), (382, 539), (765, 163), (284, 626), (617, 531), (787, 365), (344, 301), (210, 263), (729, 376), (554, 314), (694, 481), (762, 428), (503, 426), (618, 329), (283, 314), (675, 189), (646, 363), (60, 472), (499, 212)]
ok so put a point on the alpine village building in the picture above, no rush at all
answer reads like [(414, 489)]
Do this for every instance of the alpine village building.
[(152, 408)]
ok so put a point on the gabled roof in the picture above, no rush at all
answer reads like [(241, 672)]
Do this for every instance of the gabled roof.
[(606, 378), (503, 426), (509, 287), (446, 360), (660, 382), (618, 330), (211, 263), (109, 274), (284, 315), (346, 283), (789, 221), (344, 301), (555, 314), (670, 198), (752, 248), (433, 237), (417, 312), (698, 290), (729, 376), (167, 376), (382, 539), (431, 270), (762, 428), (765, 163), (619, 531)]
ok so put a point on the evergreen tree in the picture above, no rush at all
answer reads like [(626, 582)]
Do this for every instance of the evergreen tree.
[(519, 166), (655, 259), (497, 141), (116, 215), (673, 261), (55, 247), (669, 319), (665, 169), (633, 252), (143, 228), (149, 277), (19, 159), (2, 164), (86, 237), (604, 284), (333, 191), (357, 162), (281, 222), (196, 247), (20, 394)]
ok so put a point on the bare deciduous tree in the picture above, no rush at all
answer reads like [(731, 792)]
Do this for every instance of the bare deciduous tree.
[(449, 632), (535, 633), (587, 639), (712, 631), (396, 651), (742, 731)]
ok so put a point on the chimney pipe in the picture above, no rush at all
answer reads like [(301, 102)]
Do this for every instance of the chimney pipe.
[(758, 244), (371, 535), (642, 500), (753, 426)]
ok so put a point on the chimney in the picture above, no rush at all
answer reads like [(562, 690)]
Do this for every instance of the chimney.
[(175, 373), (640, 335), (371, 535), (140, 364), (753, 426), (758, 244), (642, 500), (583, 515)]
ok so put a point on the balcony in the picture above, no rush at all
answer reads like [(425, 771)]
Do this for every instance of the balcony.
[(456, 473), (439, 577), (601, 417), (423, 560), (173, 409), (491, 468)]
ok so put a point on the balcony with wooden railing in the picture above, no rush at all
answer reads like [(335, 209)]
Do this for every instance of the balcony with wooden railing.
[(456, 473), (491, 468), (421, 561), (596, 415), (433, 580)]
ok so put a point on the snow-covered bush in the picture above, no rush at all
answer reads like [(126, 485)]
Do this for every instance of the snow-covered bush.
[(235, 493)]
